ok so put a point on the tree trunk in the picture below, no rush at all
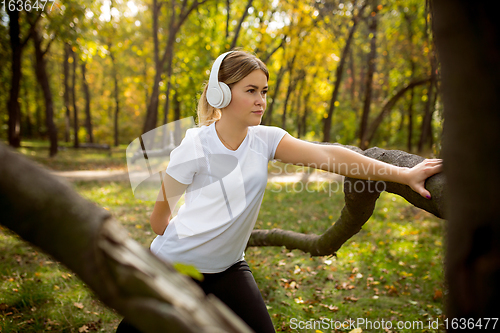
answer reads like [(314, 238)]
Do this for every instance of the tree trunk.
[(363, 127), (268, 117), (117, 99), (467, 37), (327, 124), (362, 74), (228, 10), (409, 24), (410, 120), (14, 130), (67, 120), (167, 58), (426, 132), (152, 109), (238, 28), (303, 119), (89, 241), (43, 79), (291, 87), (76, 142), (386, 109), (38, 111), (86, 92), (28, 126), (177, 116), (298, 95), (353, 79)]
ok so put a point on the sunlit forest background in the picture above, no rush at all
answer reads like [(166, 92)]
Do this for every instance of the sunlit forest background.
[(98, 74), (353, 72)]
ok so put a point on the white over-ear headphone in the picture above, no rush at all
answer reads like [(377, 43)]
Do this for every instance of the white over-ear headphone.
[(218, 93)]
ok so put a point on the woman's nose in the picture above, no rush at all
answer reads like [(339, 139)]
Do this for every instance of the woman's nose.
[(261, 100)]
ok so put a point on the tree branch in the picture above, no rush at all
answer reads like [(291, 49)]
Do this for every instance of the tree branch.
[(390, 104), (45, 211), (360, 199), (32, 28), (48, 45), (270, 54), (238, 28)]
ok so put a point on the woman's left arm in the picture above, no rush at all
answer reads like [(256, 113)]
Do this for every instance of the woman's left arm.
[(351, 164)]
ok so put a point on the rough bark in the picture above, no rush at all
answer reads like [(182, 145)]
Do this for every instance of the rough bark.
[(360, 198), (45, 211), (467, 37), (327, 124)]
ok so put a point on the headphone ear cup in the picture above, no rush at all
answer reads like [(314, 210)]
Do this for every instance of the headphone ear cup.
[(214, 96), (226, 93)]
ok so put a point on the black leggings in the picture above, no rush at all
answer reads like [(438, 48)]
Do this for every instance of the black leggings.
[(235, 287)]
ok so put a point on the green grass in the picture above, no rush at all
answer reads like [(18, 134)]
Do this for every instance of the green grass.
[(69, 158), (391, 270)]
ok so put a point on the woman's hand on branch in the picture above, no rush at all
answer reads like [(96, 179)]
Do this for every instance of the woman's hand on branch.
[(420, 172)]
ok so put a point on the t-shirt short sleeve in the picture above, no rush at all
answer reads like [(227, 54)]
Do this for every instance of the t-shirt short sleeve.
[(184, 159), (274, 136)]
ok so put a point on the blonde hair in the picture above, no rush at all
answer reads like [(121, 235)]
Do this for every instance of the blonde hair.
[(233, 69)]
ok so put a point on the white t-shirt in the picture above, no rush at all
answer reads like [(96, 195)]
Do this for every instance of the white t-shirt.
[(223, 197)]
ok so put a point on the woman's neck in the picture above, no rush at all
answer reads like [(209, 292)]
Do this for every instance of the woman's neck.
[(230, 134)]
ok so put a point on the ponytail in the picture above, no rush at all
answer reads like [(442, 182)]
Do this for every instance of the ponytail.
[(207, 114)]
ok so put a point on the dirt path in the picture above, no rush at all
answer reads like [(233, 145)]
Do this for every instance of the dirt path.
[(120, 175)]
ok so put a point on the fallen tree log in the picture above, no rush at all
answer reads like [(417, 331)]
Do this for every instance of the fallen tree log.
[(44, 210)]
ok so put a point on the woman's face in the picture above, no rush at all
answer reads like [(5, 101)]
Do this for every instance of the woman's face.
[(248, 99)]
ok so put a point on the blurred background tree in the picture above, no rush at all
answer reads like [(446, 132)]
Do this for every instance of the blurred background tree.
[(351, 71)]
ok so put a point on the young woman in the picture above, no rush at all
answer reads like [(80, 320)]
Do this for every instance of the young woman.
[(222, 167)]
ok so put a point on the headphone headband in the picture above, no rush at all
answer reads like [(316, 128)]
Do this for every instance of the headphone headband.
[(217, 91)]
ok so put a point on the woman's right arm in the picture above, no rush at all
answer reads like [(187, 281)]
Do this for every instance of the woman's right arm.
[(168, 196)]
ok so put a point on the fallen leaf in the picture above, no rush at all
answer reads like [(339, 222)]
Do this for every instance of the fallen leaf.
[(330, 307), (84, 328), (351, 298), (438, 294), (78, 305)]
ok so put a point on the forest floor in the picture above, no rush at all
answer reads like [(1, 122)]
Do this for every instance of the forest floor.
[(390, 272), (274, 176)]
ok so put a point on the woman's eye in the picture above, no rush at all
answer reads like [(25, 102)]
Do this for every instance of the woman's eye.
[(264, 92), (251, 91)]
